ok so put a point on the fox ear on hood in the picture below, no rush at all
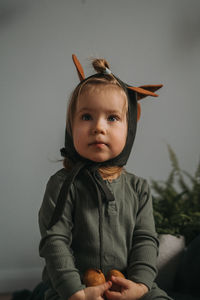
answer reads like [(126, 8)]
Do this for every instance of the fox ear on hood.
[(79, 68), (145, 90), (150, 88)]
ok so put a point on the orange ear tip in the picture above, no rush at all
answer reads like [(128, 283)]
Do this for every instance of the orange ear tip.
[(142, 90), (78, 67), (74, 57), (146, 90), (75, 60), (152, 87)]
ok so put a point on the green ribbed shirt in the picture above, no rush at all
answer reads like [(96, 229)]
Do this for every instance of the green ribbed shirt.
[(72, 245)]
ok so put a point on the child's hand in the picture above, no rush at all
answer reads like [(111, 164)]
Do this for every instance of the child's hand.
[(129, 290), (92, 293)]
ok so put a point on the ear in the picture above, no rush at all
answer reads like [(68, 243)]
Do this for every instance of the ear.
[(145, 90), (79, 68), (150, 89)]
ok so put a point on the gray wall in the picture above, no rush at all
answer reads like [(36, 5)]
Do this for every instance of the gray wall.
[(145, 41)]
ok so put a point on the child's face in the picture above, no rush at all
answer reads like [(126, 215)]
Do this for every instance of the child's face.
[(100, 123)]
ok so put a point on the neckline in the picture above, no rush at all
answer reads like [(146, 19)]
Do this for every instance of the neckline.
[(110, 182)]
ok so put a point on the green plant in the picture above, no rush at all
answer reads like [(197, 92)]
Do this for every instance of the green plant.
[(176, 202)]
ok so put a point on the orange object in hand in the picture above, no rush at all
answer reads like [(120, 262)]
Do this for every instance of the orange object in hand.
[(93, 277), (115, 273)]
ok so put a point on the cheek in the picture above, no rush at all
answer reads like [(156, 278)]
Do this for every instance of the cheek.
[(124, 137), (122, 142), (75, 134), (120, 137), (123, 133), (79, 135), (78, 142)]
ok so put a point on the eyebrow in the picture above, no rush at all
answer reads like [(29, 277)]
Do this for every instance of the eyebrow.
[(110, 111)]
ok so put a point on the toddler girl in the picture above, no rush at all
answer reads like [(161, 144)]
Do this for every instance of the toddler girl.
[(95, 215)]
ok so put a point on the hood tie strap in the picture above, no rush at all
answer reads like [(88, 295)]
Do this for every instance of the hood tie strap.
[(58, 211)]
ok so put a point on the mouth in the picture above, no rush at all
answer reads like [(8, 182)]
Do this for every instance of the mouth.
[(98, 144)]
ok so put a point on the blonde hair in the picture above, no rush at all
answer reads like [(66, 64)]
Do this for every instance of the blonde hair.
[(100, 65)]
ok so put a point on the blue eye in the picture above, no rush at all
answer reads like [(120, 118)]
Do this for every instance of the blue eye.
[(86, 117), (113, 118)]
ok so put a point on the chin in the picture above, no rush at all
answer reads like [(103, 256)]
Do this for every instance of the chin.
[(98, 159)]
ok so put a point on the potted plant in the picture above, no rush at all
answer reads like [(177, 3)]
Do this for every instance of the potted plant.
[(176, 204)]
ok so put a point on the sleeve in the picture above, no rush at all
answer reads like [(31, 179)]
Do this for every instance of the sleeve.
[(143, 255), (55, 242)]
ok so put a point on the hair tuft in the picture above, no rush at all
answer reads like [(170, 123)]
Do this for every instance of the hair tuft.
[(100, 65)]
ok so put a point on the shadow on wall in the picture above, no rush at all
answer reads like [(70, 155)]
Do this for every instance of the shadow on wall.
[(186, 30), (9, 13)]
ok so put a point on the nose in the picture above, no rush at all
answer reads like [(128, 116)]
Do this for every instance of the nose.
[(99, 127)]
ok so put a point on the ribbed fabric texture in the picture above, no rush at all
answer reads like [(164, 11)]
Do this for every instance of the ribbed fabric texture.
[(71, 246)]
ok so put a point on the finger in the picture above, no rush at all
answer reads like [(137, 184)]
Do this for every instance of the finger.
[(110, 295), (104, 287), (120, 281)]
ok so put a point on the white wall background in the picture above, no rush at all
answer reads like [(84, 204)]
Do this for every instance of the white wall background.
[(144, 41)]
